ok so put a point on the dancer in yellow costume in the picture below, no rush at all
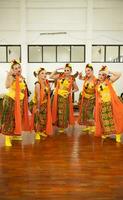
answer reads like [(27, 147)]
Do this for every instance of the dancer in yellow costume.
[(14, 117), (40, 105), (87, 100), (62, 107), (109, 109)]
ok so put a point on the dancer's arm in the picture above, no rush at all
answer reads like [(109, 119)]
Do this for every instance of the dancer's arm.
[(75, 87), (9, 79), (81, 77), (54, 75), (114, 76)]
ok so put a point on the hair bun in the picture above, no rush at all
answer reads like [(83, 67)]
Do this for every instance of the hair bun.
[(35, 73), (14, 62)]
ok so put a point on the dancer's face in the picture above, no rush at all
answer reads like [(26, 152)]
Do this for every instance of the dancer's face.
[(67, 71), (89, 72), (17, 70), (42, 75), (102, 76)]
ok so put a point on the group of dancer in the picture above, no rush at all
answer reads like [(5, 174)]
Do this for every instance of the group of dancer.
[(100, 109)]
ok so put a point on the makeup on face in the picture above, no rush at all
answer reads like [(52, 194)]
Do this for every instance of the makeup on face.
[(88, 71), (42, 74), (17, 69)]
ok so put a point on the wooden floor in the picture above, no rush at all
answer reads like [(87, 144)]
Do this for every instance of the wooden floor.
[(66, 166)]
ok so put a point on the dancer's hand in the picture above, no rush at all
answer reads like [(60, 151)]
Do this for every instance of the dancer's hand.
[(11, 72), (80, 75)]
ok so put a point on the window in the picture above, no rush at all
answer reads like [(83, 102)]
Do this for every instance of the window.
[(14, 52), (35, 54), (10, 52), (56, 53), (121, 53), (3, 54), (98, 53), (112, 54), (77, 53), (49, 53), (107, 53), (63, 53)]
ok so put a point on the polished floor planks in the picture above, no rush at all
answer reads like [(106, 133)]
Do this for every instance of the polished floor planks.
[(66, 166)]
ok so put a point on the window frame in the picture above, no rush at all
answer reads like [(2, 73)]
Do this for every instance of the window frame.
[(10, 45), (56, 61), (117, 45)]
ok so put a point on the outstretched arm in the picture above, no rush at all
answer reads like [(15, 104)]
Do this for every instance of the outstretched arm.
[(54, 75)]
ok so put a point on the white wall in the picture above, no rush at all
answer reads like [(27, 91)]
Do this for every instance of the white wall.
[(85, 21)]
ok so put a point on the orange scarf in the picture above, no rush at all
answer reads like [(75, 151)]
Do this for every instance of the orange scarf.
[(80, 108), (26, 115), (117, 108), (18, 127), (18, 122), (55, 103)]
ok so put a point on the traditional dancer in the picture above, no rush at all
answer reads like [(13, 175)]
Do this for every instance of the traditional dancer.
[(62, 106), (14, 117), (41, 108), (109, 109), (87, 100)]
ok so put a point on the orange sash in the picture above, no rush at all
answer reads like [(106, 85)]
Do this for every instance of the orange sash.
[(26, 115), (18, 122), (18, 127), (55, 103)]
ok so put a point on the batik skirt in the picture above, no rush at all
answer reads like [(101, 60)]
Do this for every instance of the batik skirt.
[(87, 111), (40, 118), (62, 112), (7, 122), (106, 117)]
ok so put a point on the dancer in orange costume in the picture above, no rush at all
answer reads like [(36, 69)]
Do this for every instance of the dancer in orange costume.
[(109, 109), (62, 107), (14, 117), (41, 108), (87, 100)]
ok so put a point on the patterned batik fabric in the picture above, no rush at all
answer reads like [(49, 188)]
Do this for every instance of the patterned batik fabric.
[(1, 106), (7, 122), (107, 120), (87, 112), (63, 112), (40, 118)]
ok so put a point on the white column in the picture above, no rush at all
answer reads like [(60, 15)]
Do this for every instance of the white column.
[(23, 36), (89, 30)]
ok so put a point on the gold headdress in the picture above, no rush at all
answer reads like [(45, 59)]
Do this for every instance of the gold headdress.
[(14, 62), (89, 66), (104, 70), (68, 65)]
